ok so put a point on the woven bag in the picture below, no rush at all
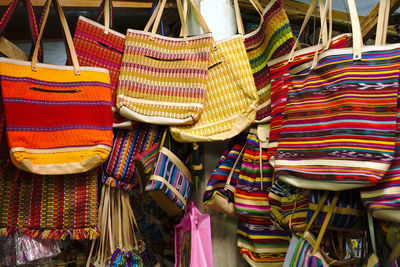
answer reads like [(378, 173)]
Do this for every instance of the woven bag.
[(273, 38), (219, 193), (59, 118), (255, 178), (230, 106), (170, 185), (97, 45), (53, 207), (163, 79), (383, 199), (120, 169), (261, 241), (336, 133)]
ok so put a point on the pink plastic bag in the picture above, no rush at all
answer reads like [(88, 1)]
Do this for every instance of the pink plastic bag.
[(193, 239)]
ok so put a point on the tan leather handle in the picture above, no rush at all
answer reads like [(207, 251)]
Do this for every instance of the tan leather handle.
[(239, 21), (107, 16), (383, 21), (67, 34), (201, 21)]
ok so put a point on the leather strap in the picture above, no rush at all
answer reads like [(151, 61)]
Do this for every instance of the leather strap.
[(317, 210), (383, 21), (107, 16), (326, 222), (164, 181), (228, 181), (239, 21), (102, 10), (67, 33), (356, 30), (371, 231)]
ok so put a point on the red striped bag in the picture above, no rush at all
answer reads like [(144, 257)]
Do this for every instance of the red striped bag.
[(339, 122), (58, 118), (97, 45)]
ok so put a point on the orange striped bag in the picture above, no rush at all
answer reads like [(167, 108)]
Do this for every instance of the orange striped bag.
[(58, 118)]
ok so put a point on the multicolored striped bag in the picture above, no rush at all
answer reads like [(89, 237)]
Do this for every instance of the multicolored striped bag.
[(170, 185), (272, 39), (346, 214), (261, 241), (163, 79), (219, 193), (53, 207), (59, 118), (230, 106), (383, 199), (142, 140), (98, 46), (255, 178), (339, 125), (289, 205)]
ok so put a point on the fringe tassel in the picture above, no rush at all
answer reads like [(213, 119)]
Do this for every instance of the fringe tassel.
[(81, 233), (110, 181)]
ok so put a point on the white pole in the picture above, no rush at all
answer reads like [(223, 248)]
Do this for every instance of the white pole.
[(220, 18)]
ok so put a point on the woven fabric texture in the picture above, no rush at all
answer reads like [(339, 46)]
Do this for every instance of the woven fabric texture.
[(260, 240), (57, 122), (94, 48), (119, 170), (255, 178), (272, 39), (231, 101), (280, 80), (163, 80), (173, 175), (54, 207), (218, 178), (339, 122)]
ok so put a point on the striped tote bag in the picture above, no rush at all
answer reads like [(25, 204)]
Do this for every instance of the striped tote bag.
[(58, 118), (230, 106), (163, 79), (339, 122), (171, 183), (219, 193), (255, 178), (97, 45), (273, 38), (48, 207), (261, 241), (141, 141)]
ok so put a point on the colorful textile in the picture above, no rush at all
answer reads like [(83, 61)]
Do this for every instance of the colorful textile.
[(231, 101), (272, 39), (218, 184), (301, 254), (255, 178), (279, 71), (57, 122), (48, 206), (339, 122), (346, 215), (170, 185), (260, 240), (119, 170), (162, 79), (95, 48)]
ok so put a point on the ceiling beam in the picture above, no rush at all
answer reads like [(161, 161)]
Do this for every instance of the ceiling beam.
[(368, 24), (91, 3)]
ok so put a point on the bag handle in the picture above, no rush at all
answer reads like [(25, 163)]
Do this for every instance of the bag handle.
[(67, 33), (228, 181), (322, 10), (34, 32), (106, 8), (383, 21)]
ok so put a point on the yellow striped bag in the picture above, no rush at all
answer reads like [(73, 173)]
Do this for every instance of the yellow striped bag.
[(231, 95), (163, 79)]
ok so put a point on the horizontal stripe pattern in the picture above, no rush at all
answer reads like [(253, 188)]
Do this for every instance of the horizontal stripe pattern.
[(40, 123), (273, 39), (165, 71), (342, 114)]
